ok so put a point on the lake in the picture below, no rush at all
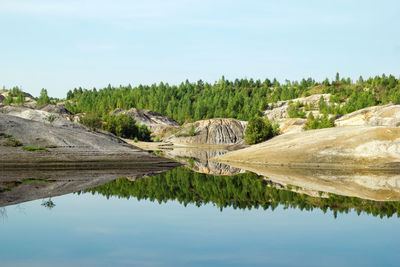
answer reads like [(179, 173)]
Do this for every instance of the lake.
[(186, 218)]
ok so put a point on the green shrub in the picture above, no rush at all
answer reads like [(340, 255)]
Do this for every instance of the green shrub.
[(259, 130), (192, 131), (11, 141), (5, 135), (93, 122), (319, 122), (296, 111), (9, 100), (50, 118), (43, 98), (121, 125), (20, 99), (144, 134), (125, 126)]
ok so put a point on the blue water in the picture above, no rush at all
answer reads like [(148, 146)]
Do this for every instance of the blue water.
[(89, 230)]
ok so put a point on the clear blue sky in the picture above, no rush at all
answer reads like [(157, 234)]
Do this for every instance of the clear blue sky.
[(61, 44)]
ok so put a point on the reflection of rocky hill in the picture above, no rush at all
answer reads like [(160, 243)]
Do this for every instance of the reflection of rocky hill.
[(198, 160), (363, 183), (21, 185)]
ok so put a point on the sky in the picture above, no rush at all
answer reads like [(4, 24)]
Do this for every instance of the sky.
[(60, 45)]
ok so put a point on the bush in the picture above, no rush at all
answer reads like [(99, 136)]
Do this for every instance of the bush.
[(9, 100), (259, 130), (11, 141), (126, 127), (144, 134), (296, 111), (43, 98), (319, 122), (93, 122), (51, 118), (192, 131), (121, 125)]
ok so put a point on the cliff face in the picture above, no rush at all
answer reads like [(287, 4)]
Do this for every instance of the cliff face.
[(212, 131)]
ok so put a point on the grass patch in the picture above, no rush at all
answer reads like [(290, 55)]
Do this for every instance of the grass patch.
[(11, 141), (5, 135), (33, 148), (8, 186)]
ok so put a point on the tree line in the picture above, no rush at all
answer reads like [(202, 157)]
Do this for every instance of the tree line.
[(241, 99)]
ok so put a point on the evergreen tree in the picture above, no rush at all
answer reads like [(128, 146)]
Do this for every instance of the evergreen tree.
[(43, 98)]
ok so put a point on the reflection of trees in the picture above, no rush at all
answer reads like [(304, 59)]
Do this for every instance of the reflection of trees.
[(243, 191), (48, 204)]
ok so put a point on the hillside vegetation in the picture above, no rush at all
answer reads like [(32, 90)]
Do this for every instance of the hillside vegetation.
[(241, 99)]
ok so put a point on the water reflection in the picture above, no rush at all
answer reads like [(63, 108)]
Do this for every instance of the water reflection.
[(21, 185), (199, 159), (243, 191), (299, 189)]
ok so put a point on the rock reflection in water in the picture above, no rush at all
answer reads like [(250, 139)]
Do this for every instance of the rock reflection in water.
[(21, 185), (379, 185), (199, 160)]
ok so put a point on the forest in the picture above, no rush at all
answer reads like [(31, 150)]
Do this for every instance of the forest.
[(243, 191), (241, 99)]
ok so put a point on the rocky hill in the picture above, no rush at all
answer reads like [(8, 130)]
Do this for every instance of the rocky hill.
[(279, 110), (388, 115), (29, 99), (67, 143), (212, 131), (356, 146), (49, 114)]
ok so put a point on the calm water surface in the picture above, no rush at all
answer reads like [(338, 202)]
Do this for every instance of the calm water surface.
[(186, 221)]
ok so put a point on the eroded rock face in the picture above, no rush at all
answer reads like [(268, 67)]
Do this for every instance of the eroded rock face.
[(147, 117), (388, 115), (57, 109), (212, 131)]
